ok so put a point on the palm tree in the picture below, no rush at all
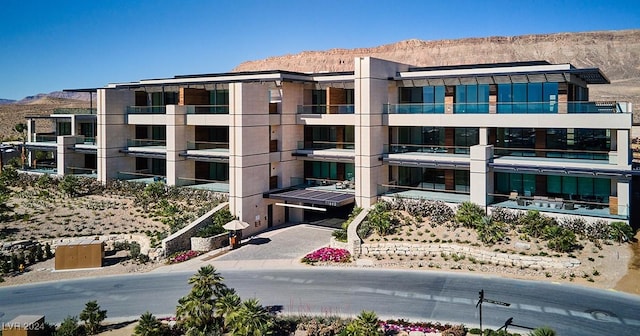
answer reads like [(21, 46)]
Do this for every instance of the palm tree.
[(148, 325), (208, 281), (226, 305), (543, 331), (366, 324), (194, 313), (250, 319)]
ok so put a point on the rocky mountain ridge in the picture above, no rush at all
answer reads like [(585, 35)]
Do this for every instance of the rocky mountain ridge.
[(616, 53), (37, 99)]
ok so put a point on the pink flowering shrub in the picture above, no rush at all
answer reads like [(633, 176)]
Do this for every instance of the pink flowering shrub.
[(402, 325), (328, 254), (183, 256)]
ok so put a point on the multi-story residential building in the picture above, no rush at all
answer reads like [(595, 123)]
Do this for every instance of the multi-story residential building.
[(70, 146), (288, 146)]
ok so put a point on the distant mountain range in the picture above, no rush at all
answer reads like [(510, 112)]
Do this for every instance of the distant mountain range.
[(56, 94)]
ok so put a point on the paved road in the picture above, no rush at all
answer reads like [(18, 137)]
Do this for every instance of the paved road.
[(279, 281), (415, 295)]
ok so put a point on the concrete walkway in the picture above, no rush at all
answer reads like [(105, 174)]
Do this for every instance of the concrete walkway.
[(280, 248)]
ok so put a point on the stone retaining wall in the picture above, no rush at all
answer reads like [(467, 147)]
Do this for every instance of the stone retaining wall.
[(496, 258), (181, 240), (209, 243)]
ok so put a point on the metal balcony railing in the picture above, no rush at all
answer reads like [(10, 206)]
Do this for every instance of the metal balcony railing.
[(204, 145), (146, 143), (427, 149)]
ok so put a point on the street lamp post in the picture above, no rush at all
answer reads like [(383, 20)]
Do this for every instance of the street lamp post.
[(483, 299)]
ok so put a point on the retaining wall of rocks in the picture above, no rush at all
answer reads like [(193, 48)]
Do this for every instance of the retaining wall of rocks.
[(209, 243), (496, 258), (181, 240)]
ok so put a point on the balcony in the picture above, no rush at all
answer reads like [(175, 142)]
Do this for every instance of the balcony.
[(208, 109), (207, 145), (204, 184), (324, 184), (147, 143), (75, 111), (47, 138), (146, 110), (608, 107), (551, 153), (141, 176), (326, 109), (320, 144), (436, 194), (425, 149), (582, 206)]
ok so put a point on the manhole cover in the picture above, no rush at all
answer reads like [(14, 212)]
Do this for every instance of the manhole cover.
[(603, 315)]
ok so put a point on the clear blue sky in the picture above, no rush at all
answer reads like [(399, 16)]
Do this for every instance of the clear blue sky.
[(50, 45)]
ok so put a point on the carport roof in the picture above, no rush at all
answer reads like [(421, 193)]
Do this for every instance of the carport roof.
[(315, 197)]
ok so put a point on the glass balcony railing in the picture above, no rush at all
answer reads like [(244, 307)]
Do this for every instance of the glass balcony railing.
[(208, 109), (327, 109), (506, 108), (46, 138), (146, 143), (596, 206), (204, 145), (430, 191), (204, 184), (317, 144), (323, 183), (146, 109), (79, 110), (552, 153), (427, 149)]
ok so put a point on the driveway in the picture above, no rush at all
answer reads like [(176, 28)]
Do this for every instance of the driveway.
[(278, 248)]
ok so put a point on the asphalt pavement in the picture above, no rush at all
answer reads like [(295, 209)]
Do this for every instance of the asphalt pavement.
[(280, 248)]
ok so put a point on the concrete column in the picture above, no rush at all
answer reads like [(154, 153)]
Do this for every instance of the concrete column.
[(371, 90), (483, 135), (622, 142), (66, 156), (624, 196), (177, 137), (113, 132), (481, 179), (31, 130), (249, 153)]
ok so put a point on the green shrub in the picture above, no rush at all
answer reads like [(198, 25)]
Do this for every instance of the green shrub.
[(469, 214)]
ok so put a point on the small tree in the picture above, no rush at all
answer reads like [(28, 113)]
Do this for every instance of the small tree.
[(68, 327), (70, 185), (560, 239), (47, 251), (620, 232), (148, 325), (92, 316)]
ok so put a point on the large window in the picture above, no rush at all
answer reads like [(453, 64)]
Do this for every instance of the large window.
[(524, 184), (325, 137), (64, 128), (336, 171), (586, 189), (465, 137), (216, 171), (472, 99), (426, 99), (220, 101), (528, 98), (517, 140), (580, 143)]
